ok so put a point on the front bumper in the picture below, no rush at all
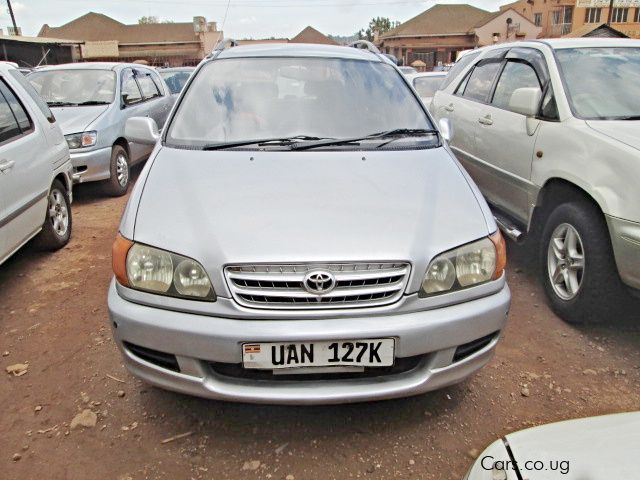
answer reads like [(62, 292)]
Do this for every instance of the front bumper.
[(198, 340), (91, 166), (625, 239)]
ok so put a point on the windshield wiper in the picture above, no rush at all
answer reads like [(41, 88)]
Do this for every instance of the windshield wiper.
[(630, 117), (61, 104), (405, 132), (92, 102), (264, 141)]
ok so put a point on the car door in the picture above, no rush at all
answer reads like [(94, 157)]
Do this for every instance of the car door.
[(464, 108), (133, 105), (154, 95), (504, 142), (25, 171)]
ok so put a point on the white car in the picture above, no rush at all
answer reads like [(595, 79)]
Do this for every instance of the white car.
[(550, 132), (596, 448), (35, 169), (426, 84)]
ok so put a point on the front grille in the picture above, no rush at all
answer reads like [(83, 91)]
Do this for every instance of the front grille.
[(281, 286)]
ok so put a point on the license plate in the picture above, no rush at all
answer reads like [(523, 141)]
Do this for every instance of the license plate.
[(363, 353)]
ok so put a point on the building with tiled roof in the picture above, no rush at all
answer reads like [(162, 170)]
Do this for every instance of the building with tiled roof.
[(174, 44), (438, 34), (311, 35)]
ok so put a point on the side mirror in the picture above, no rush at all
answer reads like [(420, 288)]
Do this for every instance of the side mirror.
[(525, 101), (142, 130), (445, 129)]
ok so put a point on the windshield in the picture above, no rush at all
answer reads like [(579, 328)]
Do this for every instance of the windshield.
[(175, 79), (427, 86), (234, 100), (73, 87), (602, 83)]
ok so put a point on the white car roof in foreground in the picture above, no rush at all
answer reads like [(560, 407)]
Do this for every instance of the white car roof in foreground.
[(559, 43)]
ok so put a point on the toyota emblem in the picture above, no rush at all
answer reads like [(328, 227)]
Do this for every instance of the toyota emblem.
[(319, 282)]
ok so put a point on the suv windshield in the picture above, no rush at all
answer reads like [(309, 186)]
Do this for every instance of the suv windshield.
[(603, 82), (305, 99), (74, 87)]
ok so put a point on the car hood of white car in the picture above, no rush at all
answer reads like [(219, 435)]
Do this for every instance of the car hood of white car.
[(625, 131), (77, 119), (596, 448), (225, 207)]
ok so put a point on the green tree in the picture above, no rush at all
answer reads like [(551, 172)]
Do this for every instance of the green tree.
[(379, 25), (145, 20), (151, 19)]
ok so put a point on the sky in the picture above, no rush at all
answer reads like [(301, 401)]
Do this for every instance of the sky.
[(245, 19)]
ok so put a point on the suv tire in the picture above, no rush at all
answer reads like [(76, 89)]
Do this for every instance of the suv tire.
[(118, 183), (575, 250), (56, 229)]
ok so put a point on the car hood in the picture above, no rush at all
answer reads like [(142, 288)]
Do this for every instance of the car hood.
[(597, 448), (227, 207), (625, 131), (77, 119)]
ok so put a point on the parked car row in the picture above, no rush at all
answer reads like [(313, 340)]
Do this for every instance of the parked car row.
[(65, 124)]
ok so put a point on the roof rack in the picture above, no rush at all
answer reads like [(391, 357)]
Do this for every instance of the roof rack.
[(365, 45), (224, 44)]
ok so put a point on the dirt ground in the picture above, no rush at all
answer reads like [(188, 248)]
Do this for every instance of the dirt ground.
[(53, 316)]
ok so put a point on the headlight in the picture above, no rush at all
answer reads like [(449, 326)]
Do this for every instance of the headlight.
[(151, 269), (79, 140), (466, 266)]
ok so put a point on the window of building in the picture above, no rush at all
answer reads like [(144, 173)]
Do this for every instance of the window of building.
[(537, 19), (637, 16), (620, 15), (592, 15)]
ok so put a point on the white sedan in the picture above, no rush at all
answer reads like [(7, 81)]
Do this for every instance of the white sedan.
[(426, 84), (596, 448)]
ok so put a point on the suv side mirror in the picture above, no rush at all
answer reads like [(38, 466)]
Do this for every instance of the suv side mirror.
[(142, 130), (525, 101)]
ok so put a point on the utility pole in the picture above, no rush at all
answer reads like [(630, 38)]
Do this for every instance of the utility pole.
[(608, 17), (13, 19)]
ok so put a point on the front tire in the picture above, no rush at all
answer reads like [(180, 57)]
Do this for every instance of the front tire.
[(56, 229), (579, 272), (118, 183)]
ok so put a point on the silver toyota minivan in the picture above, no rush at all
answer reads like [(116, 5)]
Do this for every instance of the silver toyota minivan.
[(92, 101), (301, 234)]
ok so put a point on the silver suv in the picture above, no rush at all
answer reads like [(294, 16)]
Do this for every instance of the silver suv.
[(301, 235), (550, 131), (92, 101)]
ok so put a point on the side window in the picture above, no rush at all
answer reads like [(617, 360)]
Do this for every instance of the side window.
[(9, 127), (481, 80), (130, 91), (158, 81), (515, 75), (458, 67), (549, 109), (147, 85)]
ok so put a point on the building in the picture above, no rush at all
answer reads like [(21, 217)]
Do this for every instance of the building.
[(438, 34), (34, 51), (601, 30), (161, 44), (625, 16), (311, 35), (561, 17)]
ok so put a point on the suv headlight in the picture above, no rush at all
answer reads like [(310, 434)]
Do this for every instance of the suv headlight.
[(466, 266), (81, 140), (151, 269)]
